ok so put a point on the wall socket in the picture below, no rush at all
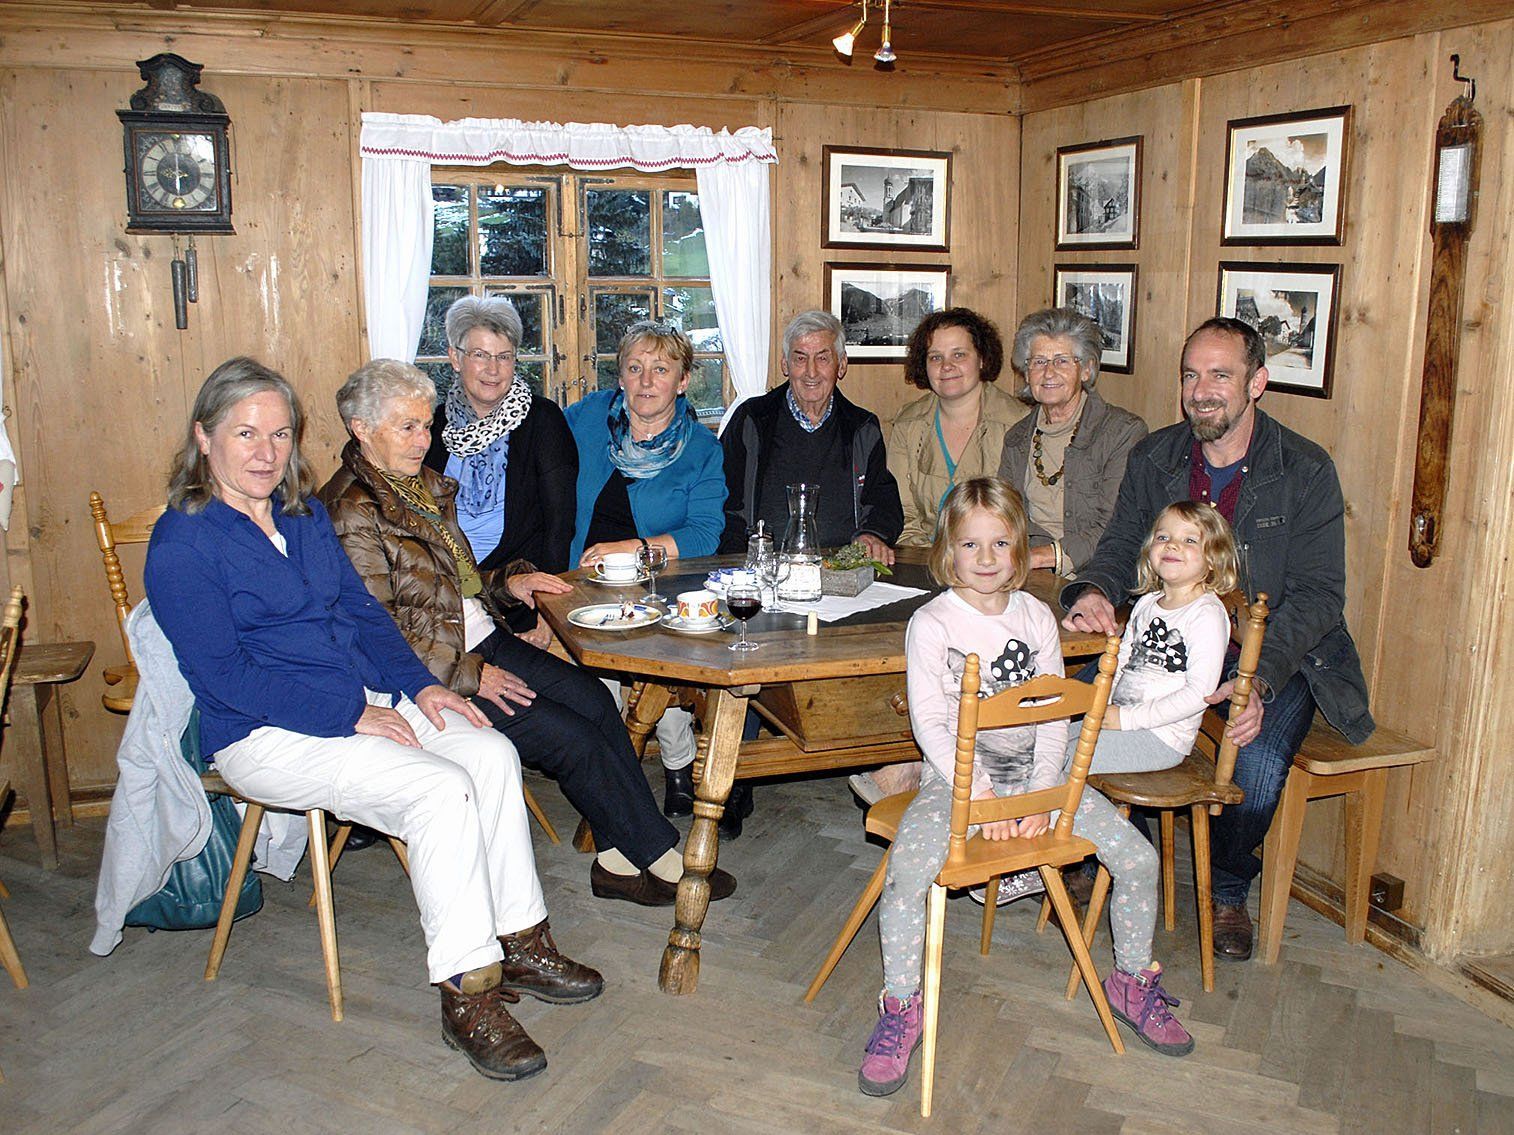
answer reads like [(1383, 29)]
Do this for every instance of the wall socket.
[(1386, 892)]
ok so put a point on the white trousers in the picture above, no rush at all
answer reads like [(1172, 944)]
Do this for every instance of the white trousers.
[(674, 730), (456, 801)]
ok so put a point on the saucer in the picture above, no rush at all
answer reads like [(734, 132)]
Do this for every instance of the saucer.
[(674, 622), (593, 576)]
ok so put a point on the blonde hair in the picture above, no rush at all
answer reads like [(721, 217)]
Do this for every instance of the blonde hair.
[(1001, 501), (1218, 548)]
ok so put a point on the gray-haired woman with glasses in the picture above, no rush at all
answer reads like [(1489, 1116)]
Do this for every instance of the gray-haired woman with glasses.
[(1067, 459), (508, 449)]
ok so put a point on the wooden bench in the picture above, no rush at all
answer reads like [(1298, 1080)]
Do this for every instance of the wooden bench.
[(1328, 765), (38, 733)]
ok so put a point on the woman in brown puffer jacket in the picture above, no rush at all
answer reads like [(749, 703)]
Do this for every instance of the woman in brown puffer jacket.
[(397, 522)]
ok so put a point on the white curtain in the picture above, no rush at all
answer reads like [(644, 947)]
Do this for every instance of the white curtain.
[(733, 200), (397, 237), (732, 168)]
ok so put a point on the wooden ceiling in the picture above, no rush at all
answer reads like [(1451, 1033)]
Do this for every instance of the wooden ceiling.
[(973, 31)]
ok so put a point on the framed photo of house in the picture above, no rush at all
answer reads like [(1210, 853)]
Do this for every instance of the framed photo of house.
[(1295, 308), (885, 199), (1106, 293), (880, 305), (1284, 178), (1099, 194)]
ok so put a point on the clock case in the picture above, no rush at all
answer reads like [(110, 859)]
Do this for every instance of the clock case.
[(171, 102)]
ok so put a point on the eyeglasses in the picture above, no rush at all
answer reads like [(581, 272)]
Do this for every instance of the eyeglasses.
[(1059, 363), (484, 358)]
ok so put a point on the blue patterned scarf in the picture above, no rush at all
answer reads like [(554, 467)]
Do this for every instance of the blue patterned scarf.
[(640, 460)]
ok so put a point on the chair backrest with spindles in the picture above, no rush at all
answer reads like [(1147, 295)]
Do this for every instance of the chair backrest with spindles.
[(1250, 629), (135, 529), (1039, 700), (10, 642)]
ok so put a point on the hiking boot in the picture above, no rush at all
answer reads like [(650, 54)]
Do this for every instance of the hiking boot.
[(1011, 887), (533, 965), (892, 1045), (1142, 1003), (477, 1024)]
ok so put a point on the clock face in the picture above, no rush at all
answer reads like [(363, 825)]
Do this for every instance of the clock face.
[(176, 172)]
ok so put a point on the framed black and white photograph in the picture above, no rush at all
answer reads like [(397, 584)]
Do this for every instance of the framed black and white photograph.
[(1106, 293), (885, 199), (1294, 306), (1099, 194), (880, 305), (1284, 175)]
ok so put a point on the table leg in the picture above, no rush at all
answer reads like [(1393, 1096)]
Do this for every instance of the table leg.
[(644, 709), (26, 733), (680, 960), (50, 713)]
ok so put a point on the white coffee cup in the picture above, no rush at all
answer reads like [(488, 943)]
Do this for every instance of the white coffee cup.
[(617, 565), (696, 607)]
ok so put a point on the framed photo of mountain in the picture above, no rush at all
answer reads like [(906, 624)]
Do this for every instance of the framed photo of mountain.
[(1106, 293), (1285, 177), (1295, 308), (880, 305), (1099, 194)]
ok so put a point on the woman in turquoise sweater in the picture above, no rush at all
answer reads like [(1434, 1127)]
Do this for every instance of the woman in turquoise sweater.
[(649, 473)]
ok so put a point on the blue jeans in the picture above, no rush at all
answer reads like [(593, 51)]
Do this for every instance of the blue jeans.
[(1261, 770)]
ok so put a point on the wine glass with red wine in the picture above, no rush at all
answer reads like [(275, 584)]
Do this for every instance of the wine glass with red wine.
[(743, 601)]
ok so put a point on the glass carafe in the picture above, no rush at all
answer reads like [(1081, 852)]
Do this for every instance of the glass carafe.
[(799, 554)]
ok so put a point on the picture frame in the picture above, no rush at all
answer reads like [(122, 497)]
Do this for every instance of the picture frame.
[(1285, 177), (1106, 293), (880, 305), (889, 200), (1099, 194), (1290, 304)]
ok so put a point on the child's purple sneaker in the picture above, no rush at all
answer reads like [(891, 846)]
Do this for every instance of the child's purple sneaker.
[(1142, 1003), (892, 1045)]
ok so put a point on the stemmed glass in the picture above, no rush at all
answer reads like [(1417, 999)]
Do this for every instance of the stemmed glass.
[(652, 558), (744, 600)]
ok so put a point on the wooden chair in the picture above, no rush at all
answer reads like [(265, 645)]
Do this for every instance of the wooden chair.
[(10, 641), (1201, 784), (973, 861), (1328, 765), (137, 529)]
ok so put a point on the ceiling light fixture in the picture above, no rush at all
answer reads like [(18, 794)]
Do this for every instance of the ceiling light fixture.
[(844, 43), (885, 52)]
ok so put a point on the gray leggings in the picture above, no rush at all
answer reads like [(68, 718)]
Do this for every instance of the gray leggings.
[(1126, 750), (920, 851)]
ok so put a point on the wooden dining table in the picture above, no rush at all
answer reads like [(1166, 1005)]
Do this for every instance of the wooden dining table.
[(833, 699)]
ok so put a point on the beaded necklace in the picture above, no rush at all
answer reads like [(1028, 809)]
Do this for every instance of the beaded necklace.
[(1035, 455)]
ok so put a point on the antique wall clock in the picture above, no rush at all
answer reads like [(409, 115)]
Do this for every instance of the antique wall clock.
[(178, 168)]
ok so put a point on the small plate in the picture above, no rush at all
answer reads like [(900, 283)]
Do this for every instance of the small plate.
[(595, 577), (719, 581), (674, 622), (607, 617)]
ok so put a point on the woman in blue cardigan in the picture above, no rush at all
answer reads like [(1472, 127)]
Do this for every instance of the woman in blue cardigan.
[(649, 473), (309, 697)]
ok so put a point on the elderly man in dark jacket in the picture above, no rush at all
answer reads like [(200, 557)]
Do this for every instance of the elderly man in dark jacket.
[(807, 430), (1281, 495)]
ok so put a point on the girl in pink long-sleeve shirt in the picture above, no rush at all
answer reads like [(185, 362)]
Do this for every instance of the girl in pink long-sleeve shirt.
[(981, 555)]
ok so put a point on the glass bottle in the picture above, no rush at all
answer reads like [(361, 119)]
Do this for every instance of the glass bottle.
[(799, 553)]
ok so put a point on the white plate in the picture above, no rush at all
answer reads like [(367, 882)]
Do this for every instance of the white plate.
[(719, 581), (595, 577), (674, 622), (607, 617)]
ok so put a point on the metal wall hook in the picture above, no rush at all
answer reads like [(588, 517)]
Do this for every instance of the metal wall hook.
[(1460, 78)]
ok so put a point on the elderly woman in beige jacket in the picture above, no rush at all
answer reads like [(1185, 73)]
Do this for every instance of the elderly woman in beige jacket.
[(955, 432)]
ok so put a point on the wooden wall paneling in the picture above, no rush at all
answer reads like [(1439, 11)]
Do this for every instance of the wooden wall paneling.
[(1471, 831), (1164, 117), (985, 186)]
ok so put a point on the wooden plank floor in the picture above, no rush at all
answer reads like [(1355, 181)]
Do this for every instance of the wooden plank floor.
[(1334, 1039)]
